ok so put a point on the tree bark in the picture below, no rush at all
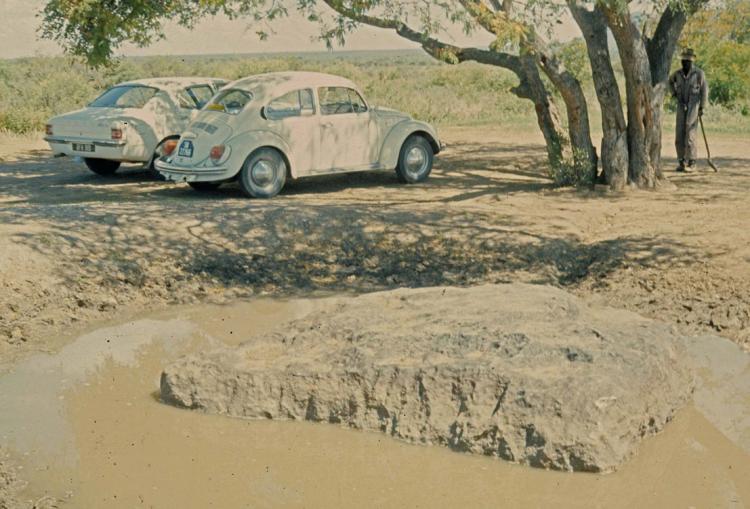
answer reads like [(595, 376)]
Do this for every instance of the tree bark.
[(614, 145), (548, 119), (661, 47), (644, 128), (577, 111)]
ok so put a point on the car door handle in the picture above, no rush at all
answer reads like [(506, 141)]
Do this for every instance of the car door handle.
[(326, 124)]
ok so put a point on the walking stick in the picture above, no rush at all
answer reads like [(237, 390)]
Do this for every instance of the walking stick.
[(708, 151)]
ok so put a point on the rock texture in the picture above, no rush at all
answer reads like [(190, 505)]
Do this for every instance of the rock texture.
[(526, 373)]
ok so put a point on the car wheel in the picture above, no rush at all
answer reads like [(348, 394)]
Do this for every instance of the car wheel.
[(102, 166), (415, 160), (204, 186), (264, 174)]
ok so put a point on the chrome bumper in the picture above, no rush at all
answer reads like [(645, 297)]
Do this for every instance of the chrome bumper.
[(183, 174), (98, 143)]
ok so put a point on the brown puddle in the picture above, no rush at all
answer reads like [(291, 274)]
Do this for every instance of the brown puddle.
[(104, 437)]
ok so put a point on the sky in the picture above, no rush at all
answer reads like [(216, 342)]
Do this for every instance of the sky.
[(219, 35)]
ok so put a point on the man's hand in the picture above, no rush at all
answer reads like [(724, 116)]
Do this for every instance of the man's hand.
[(700, 112)]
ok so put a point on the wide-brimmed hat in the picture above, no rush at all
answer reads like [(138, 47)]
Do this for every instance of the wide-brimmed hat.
[(688, 54)]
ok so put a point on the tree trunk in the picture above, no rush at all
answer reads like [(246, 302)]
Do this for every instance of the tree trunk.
[(577, 110), (532, 87), (614, 146), (661, 48), (644, 127)]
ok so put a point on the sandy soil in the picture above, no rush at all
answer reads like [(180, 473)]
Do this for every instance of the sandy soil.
[(78, 248)]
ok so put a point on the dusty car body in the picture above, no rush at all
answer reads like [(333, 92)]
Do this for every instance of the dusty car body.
[(266, 128), (130, 122)]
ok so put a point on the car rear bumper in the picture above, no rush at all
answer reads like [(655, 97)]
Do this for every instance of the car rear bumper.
[(189, 174), (53, 140), (117, 150)]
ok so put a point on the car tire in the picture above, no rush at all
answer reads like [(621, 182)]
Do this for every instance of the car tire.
[(264, 174), (204, 186), (415, 160), (103, 167), (152, 171)]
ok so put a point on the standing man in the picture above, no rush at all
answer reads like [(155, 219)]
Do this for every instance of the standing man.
[(690, 89)]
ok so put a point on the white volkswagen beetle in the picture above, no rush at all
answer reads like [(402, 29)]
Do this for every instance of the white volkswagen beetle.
[(136, 121), (266, 128)]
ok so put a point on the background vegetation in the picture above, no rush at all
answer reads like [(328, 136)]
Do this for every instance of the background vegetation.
[(34, 89)]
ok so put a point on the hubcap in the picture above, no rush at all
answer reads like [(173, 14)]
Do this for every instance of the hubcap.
[(262, 173), (416, 160)]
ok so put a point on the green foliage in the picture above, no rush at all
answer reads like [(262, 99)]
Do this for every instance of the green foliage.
[(720, 36), (94, 30), (575, 170), (576, 59), (34, 89)]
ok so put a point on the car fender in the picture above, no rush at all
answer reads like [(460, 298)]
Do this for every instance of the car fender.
[(244, 144), (396, 137)]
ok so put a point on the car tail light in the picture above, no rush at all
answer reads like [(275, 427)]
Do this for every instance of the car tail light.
[(217, 153), (169, 147), (116, 133), (48, 129)]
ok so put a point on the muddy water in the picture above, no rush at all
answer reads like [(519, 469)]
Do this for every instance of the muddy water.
[(87, 422)]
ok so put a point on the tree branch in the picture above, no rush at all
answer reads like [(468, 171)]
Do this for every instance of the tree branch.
[(662, 45), (437, 49)]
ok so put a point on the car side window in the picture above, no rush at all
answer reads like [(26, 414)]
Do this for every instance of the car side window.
[(335, 101), (358, 104), (194, 97), (293, 104), (184, 100), (201, 94)]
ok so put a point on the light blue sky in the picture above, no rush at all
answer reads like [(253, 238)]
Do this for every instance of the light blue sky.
[(213, 35), (18, 37)]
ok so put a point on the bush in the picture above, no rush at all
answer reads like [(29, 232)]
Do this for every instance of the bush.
[(572, 171)]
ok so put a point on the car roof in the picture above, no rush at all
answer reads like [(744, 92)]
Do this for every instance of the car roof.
[(277, 83), (171, 83)]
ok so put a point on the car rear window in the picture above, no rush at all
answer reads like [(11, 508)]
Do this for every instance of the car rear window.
[(127, 96), (230, 101)]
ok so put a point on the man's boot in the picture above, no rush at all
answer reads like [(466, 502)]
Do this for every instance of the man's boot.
[(691, 163), (681, 165)]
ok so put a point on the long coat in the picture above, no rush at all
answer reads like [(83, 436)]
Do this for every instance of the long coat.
[(691, 92)]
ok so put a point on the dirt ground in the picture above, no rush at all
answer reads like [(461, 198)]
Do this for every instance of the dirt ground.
[(77, 248)]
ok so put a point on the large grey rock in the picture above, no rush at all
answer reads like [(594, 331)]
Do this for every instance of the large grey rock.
[(527, 373)]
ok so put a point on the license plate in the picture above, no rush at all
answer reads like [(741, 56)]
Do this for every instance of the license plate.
[(83, 147), (186, 149)]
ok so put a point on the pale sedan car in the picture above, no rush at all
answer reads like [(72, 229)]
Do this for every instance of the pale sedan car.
[(136, 121), (265, 129)]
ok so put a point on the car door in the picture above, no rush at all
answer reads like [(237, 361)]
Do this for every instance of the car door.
[(347, 132), (291, 117)]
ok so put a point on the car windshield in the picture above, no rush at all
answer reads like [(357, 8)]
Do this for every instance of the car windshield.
[(230, 101), (127, 96)]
